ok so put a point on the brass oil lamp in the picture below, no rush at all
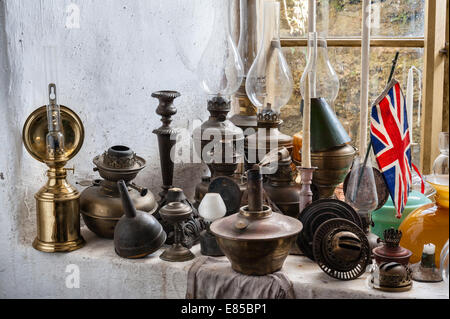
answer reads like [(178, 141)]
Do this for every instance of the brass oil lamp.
[(269, 86), (101, 204), (176, 213), (256, 240), (54, 134), (218, 141)]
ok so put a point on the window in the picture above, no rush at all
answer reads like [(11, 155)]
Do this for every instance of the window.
[(397, 25)]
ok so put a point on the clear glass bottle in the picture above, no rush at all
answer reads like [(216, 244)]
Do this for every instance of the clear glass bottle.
[(269, 82), (220, 69), (55, 137), (362, 193), (440, 165)]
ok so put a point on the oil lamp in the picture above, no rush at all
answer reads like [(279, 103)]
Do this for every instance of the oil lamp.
[(176, 213), (218, 141), (211, 208), (101, 204), (54, 134), (269, 87), (391, 271), (256, 240), (281, 186)]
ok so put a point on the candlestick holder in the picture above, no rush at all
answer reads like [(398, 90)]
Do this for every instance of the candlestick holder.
[(166, 137), (176, 213), (54, 134), (166, 142), (306, 195)]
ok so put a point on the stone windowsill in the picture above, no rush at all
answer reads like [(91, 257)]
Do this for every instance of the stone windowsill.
[(103, 274)]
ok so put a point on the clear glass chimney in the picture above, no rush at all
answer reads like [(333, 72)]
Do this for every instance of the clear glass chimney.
[(220, 69), (324, 82)]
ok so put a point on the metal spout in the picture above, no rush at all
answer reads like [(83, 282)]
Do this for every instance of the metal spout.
[(127, 204), (142, 190), (255, 189)]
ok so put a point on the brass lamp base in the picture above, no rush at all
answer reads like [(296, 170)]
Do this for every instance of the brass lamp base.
[(177, 253), (58, 247)]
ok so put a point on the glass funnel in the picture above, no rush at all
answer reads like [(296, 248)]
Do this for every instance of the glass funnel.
[(269, 81), (324, 82), (361, 190), (220, 69)]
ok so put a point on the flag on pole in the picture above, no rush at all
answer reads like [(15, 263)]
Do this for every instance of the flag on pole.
[(391, 143)]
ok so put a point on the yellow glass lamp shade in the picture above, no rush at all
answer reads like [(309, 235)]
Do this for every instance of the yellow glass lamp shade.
[(429, 223)]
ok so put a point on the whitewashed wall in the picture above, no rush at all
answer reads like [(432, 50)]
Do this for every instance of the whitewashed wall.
[(122, 51)]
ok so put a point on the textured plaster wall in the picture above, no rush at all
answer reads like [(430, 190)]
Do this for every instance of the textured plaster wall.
[(107, 68)]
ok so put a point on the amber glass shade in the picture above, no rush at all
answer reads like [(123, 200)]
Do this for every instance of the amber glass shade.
[(429, 223)]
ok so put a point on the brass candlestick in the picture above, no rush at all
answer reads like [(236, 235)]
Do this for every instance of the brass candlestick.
[(53, 135), (166, 137)]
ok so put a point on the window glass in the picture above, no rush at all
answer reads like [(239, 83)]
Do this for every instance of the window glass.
[(342, 18), (347, 64)]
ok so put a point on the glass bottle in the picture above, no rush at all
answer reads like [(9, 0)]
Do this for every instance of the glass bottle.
[(440, 165), (55, 138), (362, 193), (429, 223)]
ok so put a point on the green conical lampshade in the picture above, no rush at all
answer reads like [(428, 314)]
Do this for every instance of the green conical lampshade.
[(326, 130)]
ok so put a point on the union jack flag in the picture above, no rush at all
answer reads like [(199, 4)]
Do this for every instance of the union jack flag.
[(389, 134)]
